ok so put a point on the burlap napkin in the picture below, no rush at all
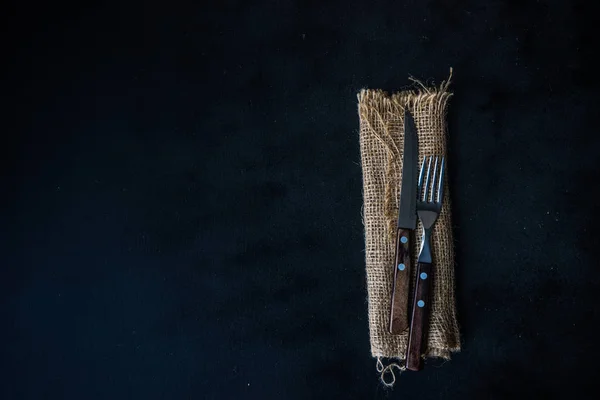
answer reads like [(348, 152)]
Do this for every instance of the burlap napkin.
[(381, 145)]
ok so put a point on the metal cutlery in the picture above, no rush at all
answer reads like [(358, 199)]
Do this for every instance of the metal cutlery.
[(429, 206), (407, 222)]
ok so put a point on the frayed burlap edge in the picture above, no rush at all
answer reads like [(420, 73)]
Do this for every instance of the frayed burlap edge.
[(381, 142)]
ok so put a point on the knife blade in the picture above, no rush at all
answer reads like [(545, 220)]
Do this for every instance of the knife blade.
[(407, 223)]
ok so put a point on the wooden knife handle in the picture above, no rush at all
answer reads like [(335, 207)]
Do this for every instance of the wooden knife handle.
[(400, 290), (417, 339)]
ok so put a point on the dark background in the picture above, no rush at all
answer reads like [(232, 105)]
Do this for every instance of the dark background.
[(181, 196)]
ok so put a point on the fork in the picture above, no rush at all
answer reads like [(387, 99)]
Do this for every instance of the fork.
[(429, 205)]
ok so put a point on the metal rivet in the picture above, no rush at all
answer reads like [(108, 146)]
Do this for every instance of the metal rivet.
[(404, 239), (420, 303), (401, 267), (423, 275)]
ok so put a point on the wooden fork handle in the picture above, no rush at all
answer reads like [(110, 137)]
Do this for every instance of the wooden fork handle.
[(400, 291), (417, 339)]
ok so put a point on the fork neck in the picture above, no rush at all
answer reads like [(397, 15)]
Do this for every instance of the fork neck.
[(425, 253)]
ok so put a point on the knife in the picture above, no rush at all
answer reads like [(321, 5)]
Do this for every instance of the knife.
[(407, 222)]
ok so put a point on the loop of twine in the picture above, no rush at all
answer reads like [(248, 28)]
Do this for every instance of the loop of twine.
[(389, 369), (443, 87)]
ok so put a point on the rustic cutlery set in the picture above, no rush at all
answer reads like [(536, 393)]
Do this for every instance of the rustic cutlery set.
[(420, 197)]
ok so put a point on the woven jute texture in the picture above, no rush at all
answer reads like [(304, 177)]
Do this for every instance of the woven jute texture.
[(381, 145)]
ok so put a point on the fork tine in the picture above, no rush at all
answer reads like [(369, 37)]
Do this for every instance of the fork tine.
[(433, 181), (426, 186), (440, 194), (420, 184)]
